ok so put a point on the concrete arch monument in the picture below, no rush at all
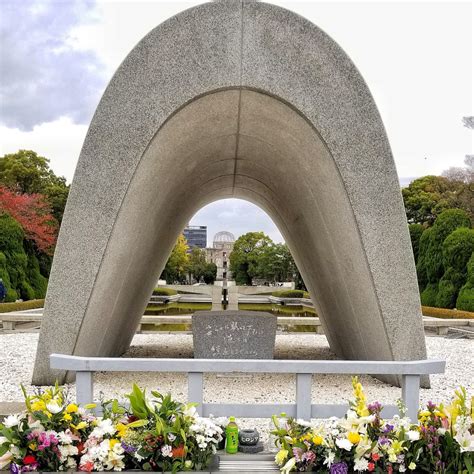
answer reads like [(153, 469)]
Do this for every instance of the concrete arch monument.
[(243, 99)]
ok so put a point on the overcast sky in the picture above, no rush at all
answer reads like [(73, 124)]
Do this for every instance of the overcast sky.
[(417, 58)]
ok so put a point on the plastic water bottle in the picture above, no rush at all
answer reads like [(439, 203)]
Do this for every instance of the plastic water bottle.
[(232, 436)]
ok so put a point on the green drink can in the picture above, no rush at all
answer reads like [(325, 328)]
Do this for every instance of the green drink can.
[(232, 436)]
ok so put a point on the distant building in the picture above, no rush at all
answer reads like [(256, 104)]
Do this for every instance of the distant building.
[(219, 253), (196, 236)]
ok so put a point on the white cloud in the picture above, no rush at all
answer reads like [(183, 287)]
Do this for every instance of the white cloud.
[(60, 141)]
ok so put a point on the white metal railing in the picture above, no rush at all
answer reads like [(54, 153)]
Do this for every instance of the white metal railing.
[(410, 372)]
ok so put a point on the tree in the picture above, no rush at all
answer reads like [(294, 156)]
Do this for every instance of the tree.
[(246, 254), (465, 299), (431, 267), (27, 173), (425, 198), (416, 230), (210, 273), (196, 264), (176, 266), (19, 267), (33, 214)]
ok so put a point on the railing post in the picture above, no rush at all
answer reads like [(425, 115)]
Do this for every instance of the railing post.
[(303, 396), (411, 395), (84, 388), (195, 388)]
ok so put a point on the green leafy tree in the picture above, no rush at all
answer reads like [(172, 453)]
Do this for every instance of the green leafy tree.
[(465, 300), (19, 267), (438, 276), (177, 264), (246, 255), (427, 197), (416, 231), (210, 273), (28, 173)]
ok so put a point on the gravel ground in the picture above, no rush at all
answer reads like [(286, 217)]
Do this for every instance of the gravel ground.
[(17, 354)]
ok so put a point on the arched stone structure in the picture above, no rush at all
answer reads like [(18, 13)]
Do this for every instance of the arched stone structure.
[(243, 99)]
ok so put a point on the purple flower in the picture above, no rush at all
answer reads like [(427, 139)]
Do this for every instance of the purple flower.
[(383, 440), (388, 428), (339, 468), (431, 406), (375, 407), (15, 468), (128, 448), (298, 453)]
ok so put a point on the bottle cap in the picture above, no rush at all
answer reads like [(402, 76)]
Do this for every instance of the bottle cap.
[(232, 418)]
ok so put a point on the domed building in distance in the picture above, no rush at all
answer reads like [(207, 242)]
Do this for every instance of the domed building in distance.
[(222, 246)]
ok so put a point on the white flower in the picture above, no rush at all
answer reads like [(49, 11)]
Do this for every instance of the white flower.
[(166, 450), (402, 468), (3, 439), (413, 435), (104, 427), (11, 421), (68, 450), (288, 466), (190, 410), (329, 458), (361, 464), (344, 443), (64, 437), (188, 464), (54, 407)]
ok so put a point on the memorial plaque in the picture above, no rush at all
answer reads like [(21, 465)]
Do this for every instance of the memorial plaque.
[(234, 334)]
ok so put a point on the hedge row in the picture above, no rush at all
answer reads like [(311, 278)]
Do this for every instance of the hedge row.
[(444, 313), (291, 294), (20, 306), (164, 292)]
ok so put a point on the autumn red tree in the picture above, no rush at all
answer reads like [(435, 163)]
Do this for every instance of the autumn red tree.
[(33, 213)]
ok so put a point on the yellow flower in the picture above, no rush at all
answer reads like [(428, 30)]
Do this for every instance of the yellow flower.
[(81, 425), (67, 417), (412, 466), (353, 437), (32, 446), (89, 406), (72, 408), (38, 406), (121, 430), (317, 440), (397, 447), (281, 456), (113, 442)]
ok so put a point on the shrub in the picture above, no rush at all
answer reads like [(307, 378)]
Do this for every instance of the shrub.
[(416, 230), (465, 299), (291, 294), (448, 288), (430, 266), (21, 305), (429, 294), (164, 292), (457, 249)]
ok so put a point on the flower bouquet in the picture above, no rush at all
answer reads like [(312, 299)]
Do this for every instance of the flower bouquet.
[(442, 441), (153, 434)]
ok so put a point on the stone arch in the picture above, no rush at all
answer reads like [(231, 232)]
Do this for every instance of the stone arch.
[(243, 99)]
